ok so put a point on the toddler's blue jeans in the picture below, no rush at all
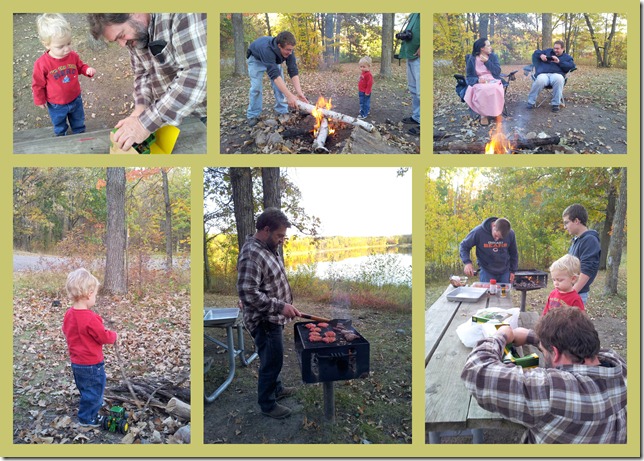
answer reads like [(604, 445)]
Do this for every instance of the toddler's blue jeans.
[(90, 381)]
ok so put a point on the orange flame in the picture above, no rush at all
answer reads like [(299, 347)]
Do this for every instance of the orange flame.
[(321, 104), (499, 143)]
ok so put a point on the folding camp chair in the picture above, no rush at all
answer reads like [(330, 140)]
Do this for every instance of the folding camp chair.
[(461, 85), (545, 96)]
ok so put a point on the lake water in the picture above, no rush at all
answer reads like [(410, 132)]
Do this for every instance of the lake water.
[(381, 266)]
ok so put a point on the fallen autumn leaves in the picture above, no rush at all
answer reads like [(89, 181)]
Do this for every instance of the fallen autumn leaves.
[(154, 341)]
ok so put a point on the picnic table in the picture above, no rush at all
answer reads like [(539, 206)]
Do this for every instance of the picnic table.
[(191, 140), (228, 319), (449, 407)]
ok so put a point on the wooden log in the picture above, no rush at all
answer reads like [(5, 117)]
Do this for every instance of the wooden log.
[(337, 116), (479, 147), (178, 408), (320, 139)]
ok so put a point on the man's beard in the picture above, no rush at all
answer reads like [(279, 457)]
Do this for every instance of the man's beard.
[(142, 37)]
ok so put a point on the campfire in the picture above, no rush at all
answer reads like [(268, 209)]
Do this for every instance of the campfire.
[(499, 143)]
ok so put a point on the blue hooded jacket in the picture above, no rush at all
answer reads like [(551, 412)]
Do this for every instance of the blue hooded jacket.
[(496, 257), (588, 249)]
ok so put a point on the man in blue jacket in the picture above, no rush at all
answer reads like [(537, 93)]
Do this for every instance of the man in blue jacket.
[(551, 65), (266, 54), (585, 245), (496, 251)]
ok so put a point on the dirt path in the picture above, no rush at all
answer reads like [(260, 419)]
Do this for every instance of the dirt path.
[(593, 121)]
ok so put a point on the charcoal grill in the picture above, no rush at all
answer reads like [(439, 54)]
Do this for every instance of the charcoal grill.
[(527, 280), (345, 358)]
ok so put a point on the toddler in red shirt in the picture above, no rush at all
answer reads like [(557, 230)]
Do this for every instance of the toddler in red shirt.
[(564, 272), (364, 86), (85, 336), (54, 83)]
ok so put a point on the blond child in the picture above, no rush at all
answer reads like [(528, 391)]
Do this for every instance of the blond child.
[(85, 336), (364, 86), (564, 273), (54, 83)]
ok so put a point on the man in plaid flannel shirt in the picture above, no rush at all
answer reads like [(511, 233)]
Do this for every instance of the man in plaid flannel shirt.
[(169, 61), (579, 397), (267, 304)]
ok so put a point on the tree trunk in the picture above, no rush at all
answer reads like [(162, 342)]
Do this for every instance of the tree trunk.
[(386, 55), (329, 39), (484, 22), (609, 41), (239, 45), (268, 25), (617, 239), (271, 187), (207, 281), (598, 53), (242, 186), (546, 34), (338, 25), (115, 274), (168, 221), (610, 216)]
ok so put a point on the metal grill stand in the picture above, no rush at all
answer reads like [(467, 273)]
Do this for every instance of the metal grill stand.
[(329, 401)]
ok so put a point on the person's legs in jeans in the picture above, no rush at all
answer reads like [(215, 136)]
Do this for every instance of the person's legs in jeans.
[(361, 97), (485, 276), (58, 116), (557, 82), (270, 348), (281, 107), (90, 381), (539, 84), (413, 85), (367, 104), (76, 115), (256, 73), (584, 297)]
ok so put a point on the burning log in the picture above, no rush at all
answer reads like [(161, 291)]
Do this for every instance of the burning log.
[(479, 147), (309, 108), (320, 139)]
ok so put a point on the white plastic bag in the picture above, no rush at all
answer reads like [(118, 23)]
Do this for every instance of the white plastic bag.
[(470, 333)]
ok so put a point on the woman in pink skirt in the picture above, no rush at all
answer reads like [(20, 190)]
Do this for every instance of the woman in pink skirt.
[(485, 94)]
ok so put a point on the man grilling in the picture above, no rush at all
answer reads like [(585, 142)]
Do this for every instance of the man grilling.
[(267, 300), (580, 395), (496, 251)]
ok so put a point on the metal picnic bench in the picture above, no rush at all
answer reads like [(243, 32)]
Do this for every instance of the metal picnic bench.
[(449, 407), (228, 319)]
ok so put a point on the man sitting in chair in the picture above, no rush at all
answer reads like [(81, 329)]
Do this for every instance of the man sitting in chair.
[(551, 66)]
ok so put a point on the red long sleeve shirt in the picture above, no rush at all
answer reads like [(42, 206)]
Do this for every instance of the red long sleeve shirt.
[(366, 82), (56, 80), (557, 299), (86, 335)]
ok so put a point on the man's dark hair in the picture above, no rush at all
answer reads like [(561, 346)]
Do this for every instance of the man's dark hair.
[(273, 218), (99, 21), (503, 226), (560, 43), (576, 211), (480, 43), (285, 38), (571, 331)]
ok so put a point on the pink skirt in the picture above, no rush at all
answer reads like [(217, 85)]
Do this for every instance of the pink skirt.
[(485, 99)]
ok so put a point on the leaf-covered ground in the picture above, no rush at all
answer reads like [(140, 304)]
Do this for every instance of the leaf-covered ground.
[(593, 121), (390, 103), (107, 97), (153, 347), (376, 409)]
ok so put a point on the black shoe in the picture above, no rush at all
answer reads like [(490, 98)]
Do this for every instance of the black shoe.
[(253, 121), (410, 120), (415, 130), (531, 106), (555, 108)]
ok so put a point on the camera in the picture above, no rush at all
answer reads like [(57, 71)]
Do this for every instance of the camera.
[(405, 36)]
